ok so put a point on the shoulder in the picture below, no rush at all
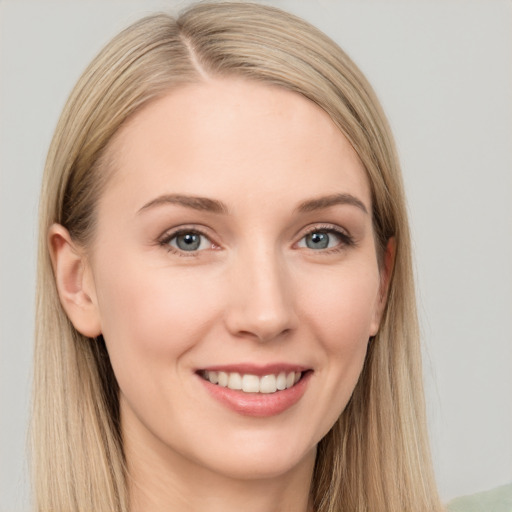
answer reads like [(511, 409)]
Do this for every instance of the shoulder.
[(495, 500)]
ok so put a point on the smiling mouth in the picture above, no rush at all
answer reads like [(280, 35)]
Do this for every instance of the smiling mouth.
[(249, 383)]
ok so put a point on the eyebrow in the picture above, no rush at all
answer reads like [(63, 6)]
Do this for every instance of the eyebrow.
[(196, 203), (331, 200), (215, 206)]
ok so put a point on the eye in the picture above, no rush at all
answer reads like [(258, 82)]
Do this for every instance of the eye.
[(187, 241), (323, 238), (319, 240)]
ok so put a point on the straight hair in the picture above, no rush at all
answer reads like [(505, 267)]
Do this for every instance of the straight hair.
[(376, 457)]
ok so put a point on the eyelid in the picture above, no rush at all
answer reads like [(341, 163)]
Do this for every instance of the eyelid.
[(164, 239), (346, 238)]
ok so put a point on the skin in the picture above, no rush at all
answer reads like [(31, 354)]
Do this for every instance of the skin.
[(254, 292)]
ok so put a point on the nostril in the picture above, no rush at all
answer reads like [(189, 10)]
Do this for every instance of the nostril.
[(265, 335)]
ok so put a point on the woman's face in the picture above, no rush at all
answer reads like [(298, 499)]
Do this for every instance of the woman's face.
[(234, 244)]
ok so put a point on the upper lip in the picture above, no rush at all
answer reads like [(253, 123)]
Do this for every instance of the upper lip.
[(253, 369)]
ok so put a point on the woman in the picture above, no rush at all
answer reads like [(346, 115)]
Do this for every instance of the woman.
[(230, 318)]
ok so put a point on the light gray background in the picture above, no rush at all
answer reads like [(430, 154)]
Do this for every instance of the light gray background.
[(443, 71)]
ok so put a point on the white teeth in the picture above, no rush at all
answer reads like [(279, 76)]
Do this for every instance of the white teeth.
[(268, 384), (252, 383), (235, 381), (281, 381), (223, 379)]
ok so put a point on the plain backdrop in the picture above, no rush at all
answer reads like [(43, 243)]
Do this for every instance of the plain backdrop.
[(443, 71)]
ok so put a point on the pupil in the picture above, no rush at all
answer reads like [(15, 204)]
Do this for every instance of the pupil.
[(188, 242), (317, 240)]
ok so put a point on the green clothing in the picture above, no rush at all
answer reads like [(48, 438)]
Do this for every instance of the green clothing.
[(495, 500)]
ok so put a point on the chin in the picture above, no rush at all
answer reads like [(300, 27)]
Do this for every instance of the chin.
[(259, 458)]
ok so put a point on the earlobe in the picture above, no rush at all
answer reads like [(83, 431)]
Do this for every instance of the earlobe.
[(74, 282), (385, 278)]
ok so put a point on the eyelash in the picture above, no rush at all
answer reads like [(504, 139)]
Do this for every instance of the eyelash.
[(166, 238), (346, 240)]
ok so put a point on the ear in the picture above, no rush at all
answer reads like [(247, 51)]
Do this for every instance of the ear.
[(74, 281), (385, 278)]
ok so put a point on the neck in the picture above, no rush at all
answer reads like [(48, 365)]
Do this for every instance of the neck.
[(161, 482)]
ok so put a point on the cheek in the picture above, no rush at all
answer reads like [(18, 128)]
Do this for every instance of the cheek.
[(341, 313), (152, 318), (343, 305)]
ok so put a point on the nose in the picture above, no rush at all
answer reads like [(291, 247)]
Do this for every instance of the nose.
[(261, 298)]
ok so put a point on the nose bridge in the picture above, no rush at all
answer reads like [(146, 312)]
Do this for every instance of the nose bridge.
[(261, 302)]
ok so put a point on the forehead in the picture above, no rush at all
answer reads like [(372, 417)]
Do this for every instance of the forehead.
[(229, 136)]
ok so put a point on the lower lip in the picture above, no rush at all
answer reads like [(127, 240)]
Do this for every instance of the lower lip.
[(258, 404)]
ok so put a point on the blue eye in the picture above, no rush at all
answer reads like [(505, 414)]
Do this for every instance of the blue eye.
[(189, 241), (323, 239)]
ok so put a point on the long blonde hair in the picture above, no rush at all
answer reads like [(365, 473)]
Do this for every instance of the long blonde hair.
[(376, 456)]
